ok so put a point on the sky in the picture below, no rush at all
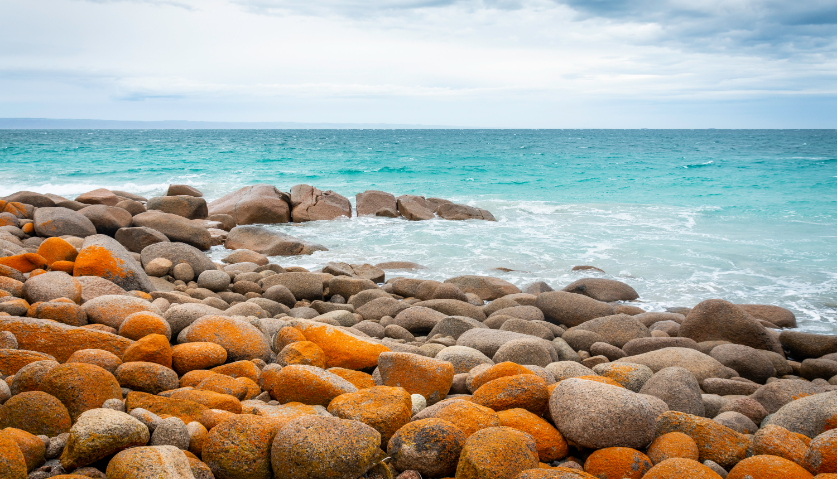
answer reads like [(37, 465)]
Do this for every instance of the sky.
[(471, 63)]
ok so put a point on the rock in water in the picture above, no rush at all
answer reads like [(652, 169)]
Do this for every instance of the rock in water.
[(257, 204), (311, 204), (376, 203), (267, 242), (415, 208)]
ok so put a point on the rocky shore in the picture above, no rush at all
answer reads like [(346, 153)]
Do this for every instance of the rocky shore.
[(126, 352)]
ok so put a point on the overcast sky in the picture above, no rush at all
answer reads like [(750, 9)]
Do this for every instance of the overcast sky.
[(481, 63)]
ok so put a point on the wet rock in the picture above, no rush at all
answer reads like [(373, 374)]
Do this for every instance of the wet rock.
[(257, 204), (453, 211), (807, 345), (601, 289), (310, 204), (376, 203), (415, 208)]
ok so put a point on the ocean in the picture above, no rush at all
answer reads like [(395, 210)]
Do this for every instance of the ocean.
[(681, 215)]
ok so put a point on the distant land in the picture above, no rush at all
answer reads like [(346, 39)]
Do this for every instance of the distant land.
[(68, 124)]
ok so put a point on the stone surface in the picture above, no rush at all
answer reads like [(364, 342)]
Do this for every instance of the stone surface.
[(715, 442), (240, 448), (240, 339), (267, 242), (415, 208), (385, 409), (601, 289), (104, 257), (571, 309), (53, 285), (310, 204), (678, 388), (497, 452), (417, 374), (453, 211), (257, 204), (376, 203), (151, 462), (617, 329), (810, 415), (429, 446), (138, 238), (808, 345), (100, 433), (51, 222), (111, 310), (176, 228), (746, 361), (35, 412), (700, 365), (187, 206), (717, 319), (178, 253), (80, 387), (342, 348), (60, 340), (107, 219), (486, 287)]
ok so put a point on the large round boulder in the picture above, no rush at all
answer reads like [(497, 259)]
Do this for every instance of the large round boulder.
[(104, 257), (190, 207), (719, 320), (61, 222), (53, 285), (601, 289), (571, 309), (178, 253), (256, 204)]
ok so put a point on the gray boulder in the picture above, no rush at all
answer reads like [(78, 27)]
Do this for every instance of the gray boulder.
[(717, 319), (178, 253), (310, 204), (810, 415), (808, 345), (376, 203), (256, 204), (746, 361), (571, 309), (678, 388), (107, 219), (57, 221), (176, 228), (617, 329), (137, 239), (307, 286), (267, 242), (190, 207), (699, 364)]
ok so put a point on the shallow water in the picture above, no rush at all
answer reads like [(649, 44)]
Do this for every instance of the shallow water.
[(682, 216)]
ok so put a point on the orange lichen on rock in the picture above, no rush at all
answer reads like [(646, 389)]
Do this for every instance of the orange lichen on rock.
[(11, 360), (417, 374), (24, 262), (549, 443), (302, 352), (197, 437), (360, 379), (16, 208), (239, 369), (140, 294), (65, 312), (142, 323), (60, 340), (12, 461), (497, 452), (253, 389), (28, 228), (779, 441), (429, 446), (768, 467), (194, 356), (194, 377), (63, 266), (37, 272), (32, 447), (213, 417), (820, 458), (343, 350), (715, 442), (153, 348), (146, 377), (240, 447), (57, 249), (184, 409), (617, 463), (680, 468), (308, 385), (286, 336), (81, 387), (467, 416), (601, 379), (35, 412), (210, 399), (554, 473), (222, 384), (526, 391), (497, 371), (383, 408), (670, 445), (12, 286), (95, 260), (104, 359)]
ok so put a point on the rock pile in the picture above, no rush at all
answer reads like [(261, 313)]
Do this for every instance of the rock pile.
[(136, 356)]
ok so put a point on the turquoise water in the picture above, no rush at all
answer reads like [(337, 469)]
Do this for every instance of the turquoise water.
[(681, 215)]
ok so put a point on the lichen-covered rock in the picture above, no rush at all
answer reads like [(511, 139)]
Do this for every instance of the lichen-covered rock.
[(466, 415), (100, 433), (715, 442), (525, 391), (12, 461), (184, 409), (105, 360), (81, 387), (630, 376), (240, 339), (571, 309), (150, 462), (306, 353), (385, 409), (768, 467), (35, 412), (549, 443), (104, 257), (497, 452), (677, 468), (201, 355), (11, 360), (143, 323), (210, 399), (622, 462), (359, 379), (462, 358), (222, 384), (152, 348), (429, 446), (321, 447), (417, 374), (32, 447), (307, 385), (779, 441), (240, 448), (24, 262), (672, 445), (147, 377), (60, 340), (820, 457), (343, 349)]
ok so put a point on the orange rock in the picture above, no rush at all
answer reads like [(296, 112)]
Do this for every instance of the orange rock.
[(193, 378), (779, 441), (497, 452), (28, 228), (112, 309), (429, 377), (68, 313), (768, 467), (526, 391), (191, 356), (467, 416), (24, 262), (37, 272), (60, 340), (81, 387), (242, 340), (153, 348), (359, 379), (96, 260), (549, 443), (213, 417), (143, 323), (239, 369), (63, 266), (15, 208), (17, 307), (302, 352), (104, 359), (11, 360), (32, 447), (240, 447), (804, 438), (141, 295), (826, 475), (497, 371), (222, 384), (554, 473), (253, 389), (820, 458), (308, 385), (210, 399), (12, 461), (680, 468), (428, 446), (35, 412), (383, 408), (149, 462), (601, 379), (286, 336), (197, 437), (57, 249), (8, 221), (184, 409), (147, 377), (13, 286), (715, 442), (343, 350), (617, 463), (670, 445)]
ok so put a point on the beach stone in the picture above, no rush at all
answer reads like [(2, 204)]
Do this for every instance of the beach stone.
[(176, 228), (598, 415), (429, 446), (562, 370), (170, 432), (489, 341), (187, 206), (12, 286), (617, 329), (700, 365), (571, 309), (29, 377), (53, 285), (537, 288), (768, 467), (483, 374), (268, 242), (455, 326), (176, 190), (304, 286), (80, 387), (13, 274), (618, 462), (184, 272), (672, 445), (530, 328), (140, 324), (180, 316), (256, 204), (94, 286), (343, 349), (497, 452), (807, 345), (14, 307), (57, 249), (376, 203), (486, 287), (465, 415), (779, 441), (751, 408), (307, 384), (631, 376), (781, 317), (51, 222), (24, 261), (210, 399), (809, 415), (529, 313), (678, 388), (727, 387), (107, 219), (12, 460), (429, 377), (179, 253), (59, 340), (131, 206), (715, 442), (32, 447), (415, 208), (302, 352), (385, 409), (240, 448), (245, 256), (777, 394), (104, 257), (184, 409), (316, 446), (736, 421), (30, 198), (462, 358), (677, 467), (100, 196), (524, 391), (147, 377), (612, 353), (12, 360), (644, 345), (453, 211), (64, 312), (281, 294), (378, 308), (744, 360), (717, 319), (240, 339), (395, 331), (35, 412), (550, 444), (223, 384), (150, 462), (812, 369), (453, 307), (310, 204), (104, 359), (418, 319), (601, 289), (527, 350), (820, 457), (347, 286), (8, 219), (100, 433), (111, 310)]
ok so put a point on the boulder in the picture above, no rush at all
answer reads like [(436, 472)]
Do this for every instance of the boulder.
[(601, 289), (617, 329), (190, 207), (717, 319), (176, 190), (429, 446), (347, 286), (380, 307), (80, 387), (30, 198), (308, 286), (571, 309), (12, 461), (100, 433), (455, 326), (808, 345), (178, 253), (376, 203), (60, 340), (520, 391), (453, 211), (385, 409), (462, 358), (486, 287), (631, 376), (736, 421), (93, 286), (527, 350), (53, 285), (137, 239), (257, 204), (415, 208), (131, 206), (776, 315), (240, 339), (111, 310), (176, 228), (699, 364), (240, 447), (150, 462), (497, 452), (267, 242), (715, 442), (678, 388), (810, 415), (99, 196), (746, 361), (645, 345), (418, 319), (310, 204), (107, 219), (429, 377), (597, 415), (489, 341), (51, 222)]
